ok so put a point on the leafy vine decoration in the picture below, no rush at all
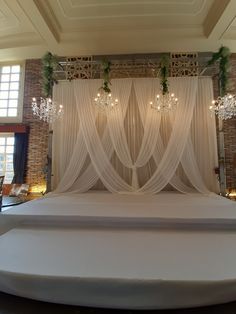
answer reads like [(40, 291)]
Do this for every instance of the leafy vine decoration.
[(164, 72), (223, 57), (50, 63), (106, 66)]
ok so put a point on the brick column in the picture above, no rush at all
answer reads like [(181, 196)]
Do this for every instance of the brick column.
[(38, 130)]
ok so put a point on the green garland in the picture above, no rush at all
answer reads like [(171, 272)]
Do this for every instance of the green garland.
[(164, 72), (223, 56), (50, 63), (106, 76)]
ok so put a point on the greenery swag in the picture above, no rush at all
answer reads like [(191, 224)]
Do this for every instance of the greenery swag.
[(106, 66), (223, 57), (164, 72), (50, 63)]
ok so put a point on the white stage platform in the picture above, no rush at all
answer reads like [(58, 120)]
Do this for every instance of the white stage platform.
[(167, 209), (121, 251)]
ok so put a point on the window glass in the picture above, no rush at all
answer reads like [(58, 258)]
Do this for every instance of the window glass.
[(7, 141), (9, 92)]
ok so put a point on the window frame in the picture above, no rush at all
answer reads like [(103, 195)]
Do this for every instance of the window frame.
[(6, 135), (19, 117)]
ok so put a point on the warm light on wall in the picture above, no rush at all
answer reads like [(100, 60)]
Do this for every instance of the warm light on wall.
[(231, 193), (39, 188)]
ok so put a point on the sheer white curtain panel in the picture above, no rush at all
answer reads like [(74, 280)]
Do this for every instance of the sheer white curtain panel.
[(89, 145)]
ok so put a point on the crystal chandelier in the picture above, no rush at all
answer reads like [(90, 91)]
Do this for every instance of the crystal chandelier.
[(104, 100), (224, 107), (166, 101), (46, 109)]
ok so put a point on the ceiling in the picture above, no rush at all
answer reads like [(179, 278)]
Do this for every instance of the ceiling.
[(29, 28)]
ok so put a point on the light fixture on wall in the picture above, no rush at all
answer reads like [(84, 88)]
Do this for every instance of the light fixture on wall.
[(45, 108), (166, 101), (104, 100), (225, 105)]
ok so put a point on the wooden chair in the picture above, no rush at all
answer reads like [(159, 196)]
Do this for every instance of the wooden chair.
[(1, 186)]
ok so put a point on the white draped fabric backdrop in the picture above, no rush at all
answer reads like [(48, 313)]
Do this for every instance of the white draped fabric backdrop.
[(133, 148)]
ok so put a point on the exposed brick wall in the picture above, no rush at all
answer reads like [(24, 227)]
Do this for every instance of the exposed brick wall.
[(38, 131), (230, 152), (230, 134), (229, 129)]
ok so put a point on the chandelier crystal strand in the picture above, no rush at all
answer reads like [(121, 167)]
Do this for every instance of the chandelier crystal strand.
[(224, 107), (165, 102), (104, 100), (46, 109)]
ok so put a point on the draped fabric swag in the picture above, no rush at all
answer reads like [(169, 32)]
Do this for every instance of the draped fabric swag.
[(133, 148)]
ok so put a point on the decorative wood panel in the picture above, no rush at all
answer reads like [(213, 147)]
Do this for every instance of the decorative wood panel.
[(184, 64), (79, 67)]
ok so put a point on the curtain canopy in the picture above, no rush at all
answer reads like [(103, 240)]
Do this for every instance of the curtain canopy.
[(133, 148)]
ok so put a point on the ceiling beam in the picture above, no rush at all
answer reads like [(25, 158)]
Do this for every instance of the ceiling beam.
[(219, 18), (41, 23)]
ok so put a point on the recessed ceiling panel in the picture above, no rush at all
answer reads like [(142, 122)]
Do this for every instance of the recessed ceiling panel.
[(230, 32), (91, 15), (12, 18), (75, 27)]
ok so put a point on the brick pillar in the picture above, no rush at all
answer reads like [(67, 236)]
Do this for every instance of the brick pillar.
[(38, 130), (230, 133), (229, 127)]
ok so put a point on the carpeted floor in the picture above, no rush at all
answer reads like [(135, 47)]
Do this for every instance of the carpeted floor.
[(15, 305)]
